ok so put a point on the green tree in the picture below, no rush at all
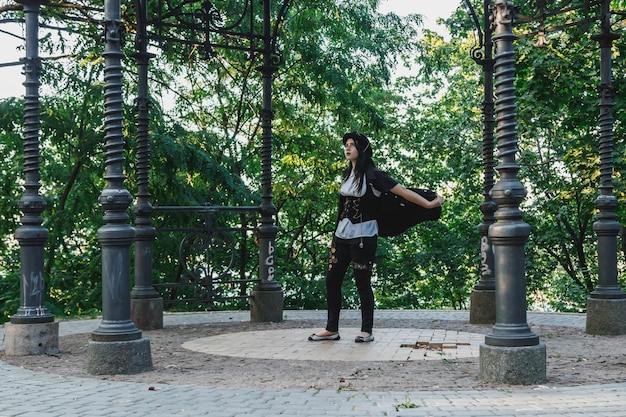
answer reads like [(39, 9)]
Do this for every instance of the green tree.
[(336, 76)]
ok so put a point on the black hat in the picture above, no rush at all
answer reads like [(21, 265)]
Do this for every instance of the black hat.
[(362, 142)]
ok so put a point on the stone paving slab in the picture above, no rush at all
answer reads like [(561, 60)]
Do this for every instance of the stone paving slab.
[(26, 393)]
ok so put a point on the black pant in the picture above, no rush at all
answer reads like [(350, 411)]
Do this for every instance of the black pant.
[(361, 253)]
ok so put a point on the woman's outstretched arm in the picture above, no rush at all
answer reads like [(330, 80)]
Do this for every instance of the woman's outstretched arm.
[(414, 197)]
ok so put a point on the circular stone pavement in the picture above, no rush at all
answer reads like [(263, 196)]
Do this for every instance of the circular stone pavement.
[(390, 344)]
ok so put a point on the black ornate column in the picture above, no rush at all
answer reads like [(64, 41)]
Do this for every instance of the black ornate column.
[(116, 346), (511, 353), (606, 306), (266, 304), (483, 297), (32, 330), (146, 308)]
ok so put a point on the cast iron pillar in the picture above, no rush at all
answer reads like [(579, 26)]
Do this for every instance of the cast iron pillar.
[(483, 297), (606, 306), (146, 305), (116, 346), (32, 330), (511, 353), (266, 302)]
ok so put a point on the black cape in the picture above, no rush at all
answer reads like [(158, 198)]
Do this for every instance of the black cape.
[(396, 215)]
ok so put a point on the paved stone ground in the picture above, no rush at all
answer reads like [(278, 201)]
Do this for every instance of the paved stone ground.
[(27, 393)]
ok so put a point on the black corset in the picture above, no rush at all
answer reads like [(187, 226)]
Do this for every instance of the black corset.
[(359, 209)]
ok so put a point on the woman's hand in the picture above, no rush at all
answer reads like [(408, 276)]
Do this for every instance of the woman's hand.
[(438, 201)]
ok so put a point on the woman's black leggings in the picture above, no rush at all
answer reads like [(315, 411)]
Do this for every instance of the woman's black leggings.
[(361, 253)]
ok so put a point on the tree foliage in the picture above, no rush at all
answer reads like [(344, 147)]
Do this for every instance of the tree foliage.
[(339, 58)]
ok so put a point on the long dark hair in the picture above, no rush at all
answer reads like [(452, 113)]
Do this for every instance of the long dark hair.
[(362, 163)]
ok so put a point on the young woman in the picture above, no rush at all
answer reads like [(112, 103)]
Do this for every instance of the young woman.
[(355, 238)]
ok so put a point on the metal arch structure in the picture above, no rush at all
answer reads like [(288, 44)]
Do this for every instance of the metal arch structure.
[(536, 22), (144, 306), (32, 329), (606, 307), (500, 293), (482, 299), (208, 30), (502, 229), (117, 344), (244, 32)]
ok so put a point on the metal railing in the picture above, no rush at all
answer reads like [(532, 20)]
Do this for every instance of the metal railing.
[(212, 255)]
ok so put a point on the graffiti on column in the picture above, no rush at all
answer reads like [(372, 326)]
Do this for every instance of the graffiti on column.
[(269, 261), (114, 270), (484, 255), (33, 286)]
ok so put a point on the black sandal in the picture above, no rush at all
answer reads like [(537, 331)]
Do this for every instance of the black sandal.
[(364, 339), (316, 338)]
